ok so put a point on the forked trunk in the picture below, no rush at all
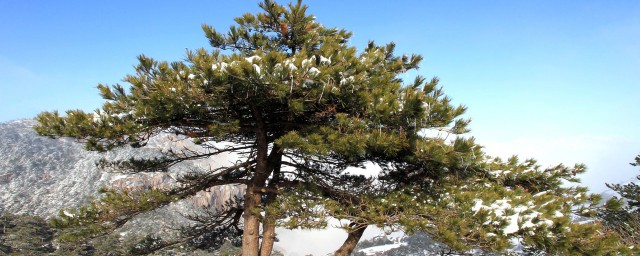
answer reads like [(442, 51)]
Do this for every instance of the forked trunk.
[(351, 242)]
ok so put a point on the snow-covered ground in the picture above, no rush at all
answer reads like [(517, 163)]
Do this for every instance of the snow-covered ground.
[(380, 249), (300, 242)]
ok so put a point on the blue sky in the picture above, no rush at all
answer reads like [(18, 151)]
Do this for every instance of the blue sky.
[(554, 80)]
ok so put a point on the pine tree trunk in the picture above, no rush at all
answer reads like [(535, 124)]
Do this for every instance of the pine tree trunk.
[(351, 242), (250, 238), (268, 236), (253, 196), (269, 222)]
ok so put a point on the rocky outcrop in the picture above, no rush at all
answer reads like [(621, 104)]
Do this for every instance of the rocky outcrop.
[(41, 176)]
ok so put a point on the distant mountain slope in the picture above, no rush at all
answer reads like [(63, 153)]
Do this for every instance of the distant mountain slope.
[(397, 244), (40, 176)]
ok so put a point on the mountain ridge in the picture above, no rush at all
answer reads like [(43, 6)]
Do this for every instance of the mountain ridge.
[(42, 176)]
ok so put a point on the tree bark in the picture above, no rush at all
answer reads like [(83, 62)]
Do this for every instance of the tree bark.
[(352, 240), (250, 239), (268, 236), (253, 196), (269, 221)]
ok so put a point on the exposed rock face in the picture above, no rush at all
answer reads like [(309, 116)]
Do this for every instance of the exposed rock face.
[(41, 176)]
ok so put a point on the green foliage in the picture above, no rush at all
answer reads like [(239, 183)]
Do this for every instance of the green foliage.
[(107, 245), (112, 210), (32, 235), (630, 192), (147, 245), (211, 229), (228, 249), (320, 103), (299, 106), (621, 216), (25, 235), (507, 201)]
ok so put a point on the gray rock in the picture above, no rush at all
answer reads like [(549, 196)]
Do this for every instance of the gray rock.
[(41, 176)]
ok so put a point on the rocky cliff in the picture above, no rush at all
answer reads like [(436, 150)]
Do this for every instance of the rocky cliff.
[(41, 176)]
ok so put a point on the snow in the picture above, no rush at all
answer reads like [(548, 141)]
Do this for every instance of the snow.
[(546, 203), (498, 173), (370, 170), (529, 217), (520, 208), (256, 68), (499, 209), (396, 236), (118, 177), (252, 58), (191, 76), (541, 193), (324, 60), (314, 71), (381, 248), (289, 64), (223, 66), (309, 61), (68, 214), (296, 242), (512, 226), (347, 80), (478, 205)]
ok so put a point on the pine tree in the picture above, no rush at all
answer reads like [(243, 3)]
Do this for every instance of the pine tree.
[(622, 215), (299, 106), (630, 192), (284, 91), (484, 205), (25, 235)]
